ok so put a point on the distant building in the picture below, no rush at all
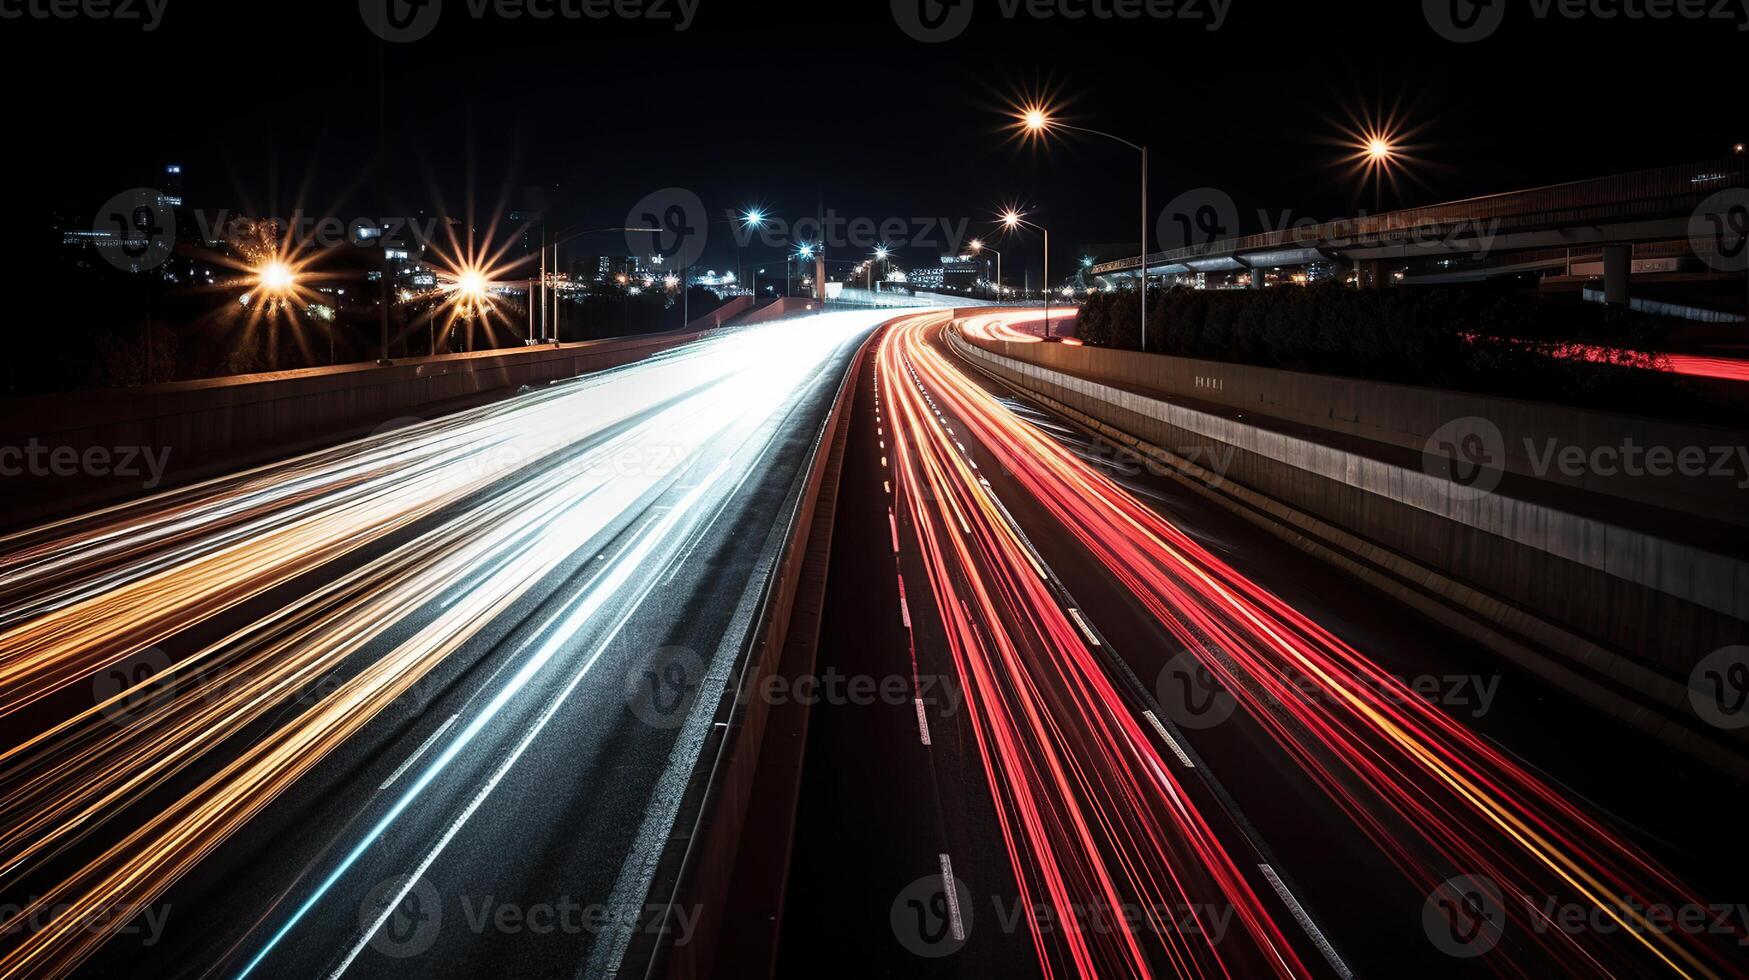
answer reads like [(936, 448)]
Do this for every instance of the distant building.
[(170, 186), (962, 271), (608, 268), (928, 277)]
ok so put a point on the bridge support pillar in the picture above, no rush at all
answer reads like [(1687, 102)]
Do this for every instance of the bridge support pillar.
[(1256, 278), (1618, 261), (1368, 274)]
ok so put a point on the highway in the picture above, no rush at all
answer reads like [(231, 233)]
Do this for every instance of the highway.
[(425, 703), (1422, 807), (422, 702)]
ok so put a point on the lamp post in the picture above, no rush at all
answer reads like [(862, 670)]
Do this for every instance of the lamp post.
[(1038, 121), (1379, 155), (805, 252), (275, 285), (1742, 162), (979, 246), (750, 218), (549, 313), (1014, 219)]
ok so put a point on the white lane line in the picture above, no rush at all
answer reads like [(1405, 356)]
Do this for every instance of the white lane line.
[(953, 900), (462, 818), (562, 624), (699, 536), (1306, 923), (569, 623), (1171, 742), (922, 721), (1086, 630), (402, 769), (904, 612)]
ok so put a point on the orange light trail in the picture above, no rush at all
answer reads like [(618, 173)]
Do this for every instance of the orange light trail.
[(523, 485), (1020, 326)]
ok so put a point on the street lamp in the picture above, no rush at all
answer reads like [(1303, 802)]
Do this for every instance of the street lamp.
[(470, 288), (1012, 219), (805, 253), (276, 278), (1380, 154), (1037, 121), (471, 284), (1380, 147), (979, 246), (750, 218)]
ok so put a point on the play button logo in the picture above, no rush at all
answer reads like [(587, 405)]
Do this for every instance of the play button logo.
[(1464, 21)]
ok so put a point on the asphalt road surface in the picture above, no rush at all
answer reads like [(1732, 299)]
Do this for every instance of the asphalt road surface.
[(1346, 796), (418, 705)]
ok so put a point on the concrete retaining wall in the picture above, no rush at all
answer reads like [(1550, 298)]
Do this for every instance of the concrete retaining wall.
[(1406, 417), (782, 307), (224, 422), (1622, 612), (700, 868)]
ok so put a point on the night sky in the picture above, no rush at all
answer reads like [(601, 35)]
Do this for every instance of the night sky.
[(273, 102)]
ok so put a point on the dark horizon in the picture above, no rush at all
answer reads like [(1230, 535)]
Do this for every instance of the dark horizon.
[(793, 112)]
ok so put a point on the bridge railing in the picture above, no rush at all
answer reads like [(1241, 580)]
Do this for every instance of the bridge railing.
[(1576, 253), (1620, 195)]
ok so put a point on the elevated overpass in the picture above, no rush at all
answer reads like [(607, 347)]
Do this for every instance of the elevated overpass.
[(1480, 236)]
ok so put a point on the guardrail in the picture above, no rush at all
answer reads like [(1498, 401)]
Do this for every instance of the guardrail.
[(876, 299)]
